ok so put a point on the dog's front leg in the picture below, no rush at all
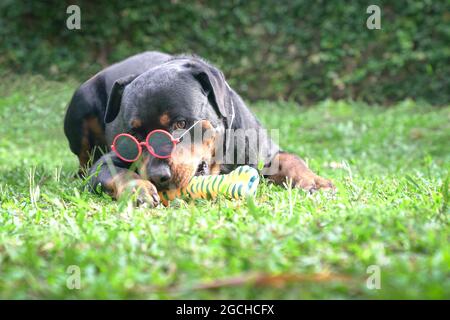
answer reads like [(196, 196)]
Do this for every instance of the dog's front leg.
[(109, 175), (292, 168)]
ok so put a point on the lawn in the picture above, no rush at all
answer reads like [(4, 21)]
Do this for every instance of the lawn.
[(391, 211)]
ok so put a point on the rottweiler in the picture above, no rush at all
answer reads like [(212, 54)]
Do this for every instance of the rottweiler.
[(157, 91)]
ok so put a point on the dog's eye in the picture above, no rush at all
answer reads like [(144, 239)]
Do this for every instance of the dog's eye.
[(180, 124)]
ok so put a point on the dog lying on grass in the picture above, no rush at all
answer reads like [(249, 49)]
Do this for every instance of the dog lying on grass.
[(132, 109)]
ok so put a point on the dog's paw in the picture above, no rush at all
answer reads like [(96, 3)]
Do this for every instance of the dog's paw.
[(320, 183), (294, 172), (142, 191), (310, 182)]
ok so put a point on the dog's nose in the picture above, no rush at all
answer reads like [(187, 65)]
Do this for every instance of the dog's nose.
[(160, 176)]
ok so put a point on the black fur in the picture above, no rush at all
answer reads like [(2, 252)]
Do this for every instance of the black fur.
[(145, 87)]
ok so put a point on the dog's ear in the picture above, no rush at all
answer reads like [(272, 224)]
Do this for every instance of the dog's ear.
[(115, 97), (215, 86)]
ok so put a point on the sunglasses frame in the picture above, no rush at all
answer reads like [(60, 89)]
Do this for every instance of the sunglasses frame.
[(145, 144)]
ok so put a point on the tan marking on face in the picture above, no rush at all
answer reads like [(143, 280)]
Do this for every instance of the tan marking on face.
[(214, 169), (136, 123), (206, 125), (164, 119), (186, 159)]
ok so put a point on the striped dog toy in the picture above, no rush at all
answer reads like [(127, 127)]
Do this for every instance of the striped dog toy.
[(241, 182)]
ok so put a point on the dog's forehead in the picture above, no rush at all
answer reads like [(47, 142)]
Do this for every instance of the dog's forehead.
[(172, 94), (167, 83), (166, 72)]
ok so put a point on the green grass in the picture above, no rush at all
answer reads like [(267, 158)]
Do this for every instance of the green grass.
[(390, 165)]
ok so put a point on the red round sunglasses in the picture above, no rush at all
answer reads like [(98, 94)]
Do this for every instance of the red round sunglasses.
[(159, 143)]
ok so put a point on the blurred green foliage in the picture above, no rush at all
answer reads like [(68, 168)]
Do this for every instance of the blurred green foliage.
[(297, 50)]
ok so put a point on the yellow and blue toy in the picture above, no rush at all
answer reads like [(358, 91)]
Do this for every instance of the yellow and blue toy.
[(239, 183)]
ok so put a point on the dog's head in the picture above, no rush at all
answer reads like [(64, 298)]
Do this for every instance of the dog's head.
[(172, 96)]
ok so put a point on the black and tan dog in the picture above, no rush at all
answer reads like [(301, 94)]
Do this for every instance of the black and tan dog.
[(154, 90)]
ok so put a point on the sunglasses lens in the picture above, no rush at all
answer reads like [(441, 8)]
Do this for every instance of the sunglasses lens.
[(161, 143), (127, 148)]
